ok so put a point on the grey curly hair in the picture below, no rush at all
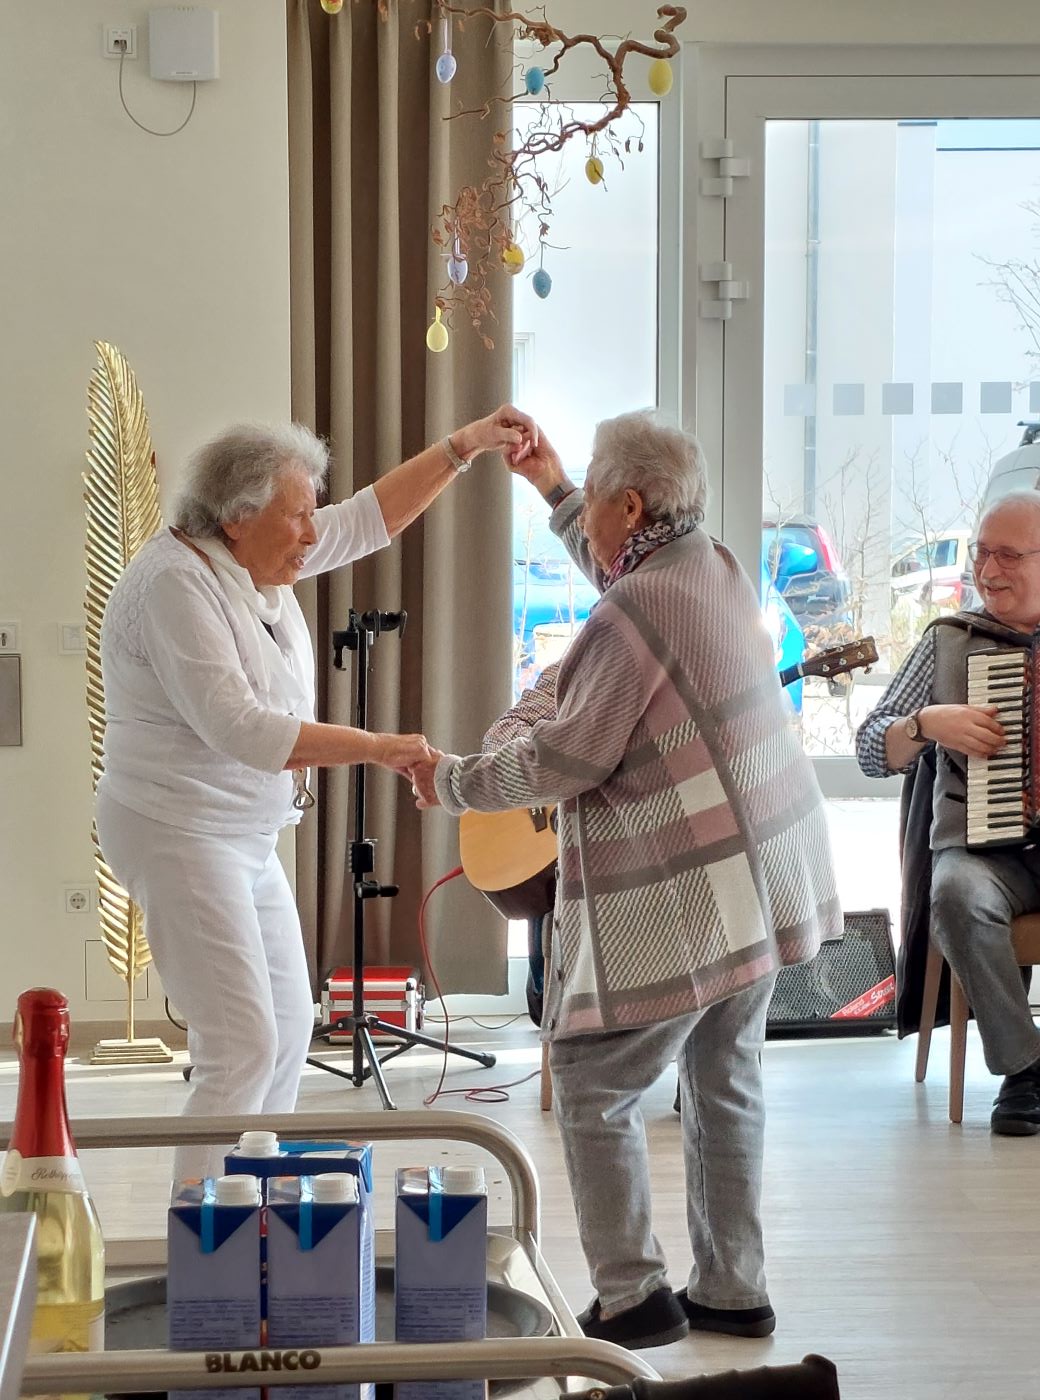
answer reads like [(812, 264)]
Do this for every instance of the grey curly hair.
[(643, 452), (236, 474)]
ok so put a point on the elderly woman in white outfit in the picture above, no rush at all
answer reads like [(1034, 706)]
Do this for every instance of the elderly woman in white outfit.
[(209, 688)]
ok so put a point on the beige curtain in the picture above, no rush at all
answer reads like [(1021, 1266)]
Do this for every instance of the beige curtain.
[(371, 161)]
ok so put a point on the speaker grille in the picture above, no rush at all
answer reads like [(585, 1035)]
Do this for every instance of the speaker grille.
[(847, 985)]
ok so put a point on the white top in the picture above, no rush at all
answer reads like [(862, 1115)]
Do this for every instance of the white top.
[(192, 736), (237, 1191)]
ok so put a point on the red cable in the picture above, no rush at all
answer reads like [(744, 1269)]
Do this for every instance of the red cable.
[(487, 1093)]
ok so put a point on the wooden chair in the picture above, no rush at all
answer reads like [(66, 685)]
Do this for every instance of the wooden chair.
[(1025, 937)]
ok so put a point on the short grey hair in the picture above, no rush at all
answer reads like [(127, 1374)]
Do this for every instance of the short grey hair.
[(236, 474), (643, 452), (1024, 497)]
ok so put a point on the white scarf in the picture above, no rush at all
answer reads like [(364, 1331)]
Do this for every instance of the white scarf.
[(284, 673)]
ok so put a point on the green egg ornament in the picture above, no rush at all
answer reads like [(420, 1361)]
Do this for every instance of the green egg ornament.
[(594, 170), (437, 334), (332, 7), (660, 77)]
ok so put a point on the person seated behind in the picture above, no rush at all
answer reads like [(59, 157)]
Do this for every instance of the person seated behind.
[(694, 860), (975, 894), (537, 702)]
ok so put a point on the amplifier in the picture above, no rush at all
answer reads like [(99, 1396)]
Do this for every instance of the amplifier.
[(394, 994), (849, 985)]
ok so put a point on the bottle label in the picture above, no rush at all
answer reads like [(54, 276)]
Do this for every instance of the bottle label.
[(40, 1174)]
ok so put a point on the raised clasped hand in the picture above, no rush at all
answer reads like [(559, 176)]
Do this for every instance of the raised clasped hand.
[(506, 430)]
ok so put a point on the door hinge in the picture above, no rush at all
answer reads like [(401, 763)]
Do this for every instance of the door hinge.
[(727, 291), (730, 168)]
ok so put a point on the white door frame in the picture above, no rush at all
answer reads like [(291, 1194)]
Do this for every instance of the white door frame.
[(737, 90)]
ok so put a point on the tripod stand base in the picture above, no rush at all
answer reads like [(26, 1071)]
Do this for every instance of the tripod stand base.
[(360, 1030)]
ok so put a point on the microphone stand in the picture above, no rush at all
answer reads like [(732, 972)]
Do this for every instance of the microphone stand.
[(359, 635)]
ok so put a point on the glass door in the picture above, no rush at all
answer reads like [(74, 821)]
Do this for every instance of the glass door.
[(882, 364)]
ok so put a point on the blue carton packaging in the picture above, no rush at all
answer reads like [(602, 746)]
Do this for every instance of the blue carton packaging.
[(321, 1288), (213, 1277), (440, 1268), (261, 1155)]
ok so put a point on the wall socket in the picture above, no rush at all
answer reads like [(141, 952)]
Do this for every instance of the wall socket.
[(119, 39), (72, 638), (9, 636), (77, 899)]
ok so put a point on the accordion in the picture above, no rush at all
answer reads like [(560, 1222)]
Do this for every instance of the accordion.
[(1004, 789)]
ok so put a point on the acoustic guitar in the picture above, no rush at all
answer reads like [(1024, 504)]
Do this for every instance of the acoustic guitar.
[(511, 856)]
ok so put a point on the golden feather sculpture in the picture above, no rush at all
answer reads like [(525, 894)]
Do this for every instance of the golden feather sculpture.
[(122, 500)]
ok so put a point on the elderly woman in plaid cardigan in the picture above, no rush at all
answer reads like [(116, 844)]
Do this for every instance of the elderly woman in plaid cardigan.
[(694, 861)]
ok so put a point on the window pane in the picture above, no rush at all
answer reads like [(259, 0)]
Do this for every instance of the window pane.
[(587, 351), (900, 361)]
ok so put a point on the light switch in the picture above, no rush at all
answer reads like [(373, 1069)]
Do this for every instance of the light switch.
[(10, 700)]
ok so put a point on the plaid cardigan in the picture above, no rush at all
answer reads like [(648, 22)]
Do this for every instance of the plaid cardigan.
[(694, 856)]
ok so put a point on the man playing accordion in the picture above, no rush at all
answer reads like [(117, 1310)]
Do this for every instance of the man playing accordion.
[(925, 727)]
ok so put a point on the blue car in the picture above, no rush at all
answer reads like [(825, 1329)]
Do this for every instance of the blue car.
[(548, 591)]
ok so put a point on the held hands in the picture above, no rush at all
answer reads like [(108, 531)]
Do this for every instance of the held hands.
[(538, 462), (506, 430), (967, 729), (423, 787), (399, 751)]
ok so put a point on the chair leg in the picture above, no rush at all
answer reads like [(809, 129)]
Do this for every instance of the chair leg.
[(546, 1080), (958, 1047), (929, 1002)]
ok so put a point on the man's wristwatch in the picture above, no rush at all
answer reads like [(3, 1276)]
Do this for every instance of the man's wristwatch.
[(459, 463), (557, 494), (913, 727)]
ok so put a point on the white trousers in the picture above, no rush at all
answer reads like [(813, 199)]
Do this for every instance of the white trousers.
[(224, 932)]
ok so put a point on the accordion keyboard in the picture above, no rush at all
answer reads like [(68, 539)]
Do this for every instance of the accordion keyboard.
[(997, 786)]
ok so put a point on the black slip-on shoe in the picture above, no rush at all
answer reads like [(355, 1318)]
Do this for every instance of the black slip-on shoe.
[(1016, 1109), (735, 1322), (656, 1321)]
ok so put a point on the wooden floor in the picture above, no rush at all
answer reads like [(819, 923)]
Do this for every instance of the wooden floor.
[(901, 1246)]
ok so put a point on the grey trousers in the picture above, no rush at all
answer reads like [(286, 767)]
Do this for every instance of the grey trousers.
[(975, 895), (598, 1081)]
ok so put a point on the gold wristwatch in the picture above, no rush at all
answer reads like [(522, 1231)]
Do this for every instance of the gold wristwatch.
[(913, 727)]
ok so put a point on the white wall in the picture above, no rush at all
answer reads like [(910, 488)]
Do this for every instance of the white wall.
[(176, 250), (813, 21)]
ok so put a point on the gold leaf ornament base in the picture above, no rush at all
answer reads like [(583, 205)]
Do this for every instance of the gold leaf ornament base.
[(143, 1050)]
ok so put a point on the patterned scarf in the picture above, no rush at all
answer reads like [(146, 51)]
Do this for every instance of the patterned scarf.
[(644, 542)]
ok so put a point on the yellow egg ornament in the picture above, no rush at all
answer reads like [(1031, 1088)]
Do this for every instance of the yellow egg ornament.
[(660, 77), (437, 335), (594, 170), (513, 259)]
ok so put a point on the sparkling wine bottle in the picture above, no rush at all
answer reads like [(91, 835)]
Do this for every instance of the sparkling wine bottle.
[(41, 1173)]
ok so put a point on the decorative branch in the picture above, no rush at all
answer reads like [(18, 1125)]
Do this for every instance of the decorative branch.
[(482, 224)]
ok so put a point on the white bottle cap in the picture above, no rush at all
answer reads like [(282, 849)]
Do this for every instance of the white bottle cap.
[(335, 1188), (241, 1190), (462, 1181), (257, 1144)]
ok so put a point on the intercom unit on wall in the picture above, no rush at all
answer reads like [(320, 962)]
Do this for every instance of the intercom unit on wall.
[(183, 44)]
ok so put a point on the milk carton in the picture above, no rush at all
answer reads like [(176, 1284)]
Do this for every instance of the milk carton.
[(440, 1271), (213, 1280), (320, 1275), (261, 1154)]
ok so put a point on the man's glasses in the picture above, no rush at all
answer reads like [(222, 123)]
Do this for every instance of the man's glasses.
[(1006, 558)]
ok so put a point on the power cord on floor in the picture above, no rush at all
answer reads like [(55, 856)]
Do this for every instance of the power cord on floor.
[(487, 1093), (171, 1017)]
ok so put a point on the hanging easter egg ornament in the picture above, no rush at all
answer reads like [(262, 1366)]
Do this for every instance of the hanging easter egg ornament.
[(513, 259), (594, 170), (534, 81), (659, 77), (541, 283), (332, 7), (445, 66), (458, 269), (437, 335)]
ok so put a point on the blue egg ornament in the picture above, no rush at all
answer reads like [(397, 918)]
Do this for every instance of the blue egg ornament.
[(541, 283), (458, 269), (534, 81), (445, 67)]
